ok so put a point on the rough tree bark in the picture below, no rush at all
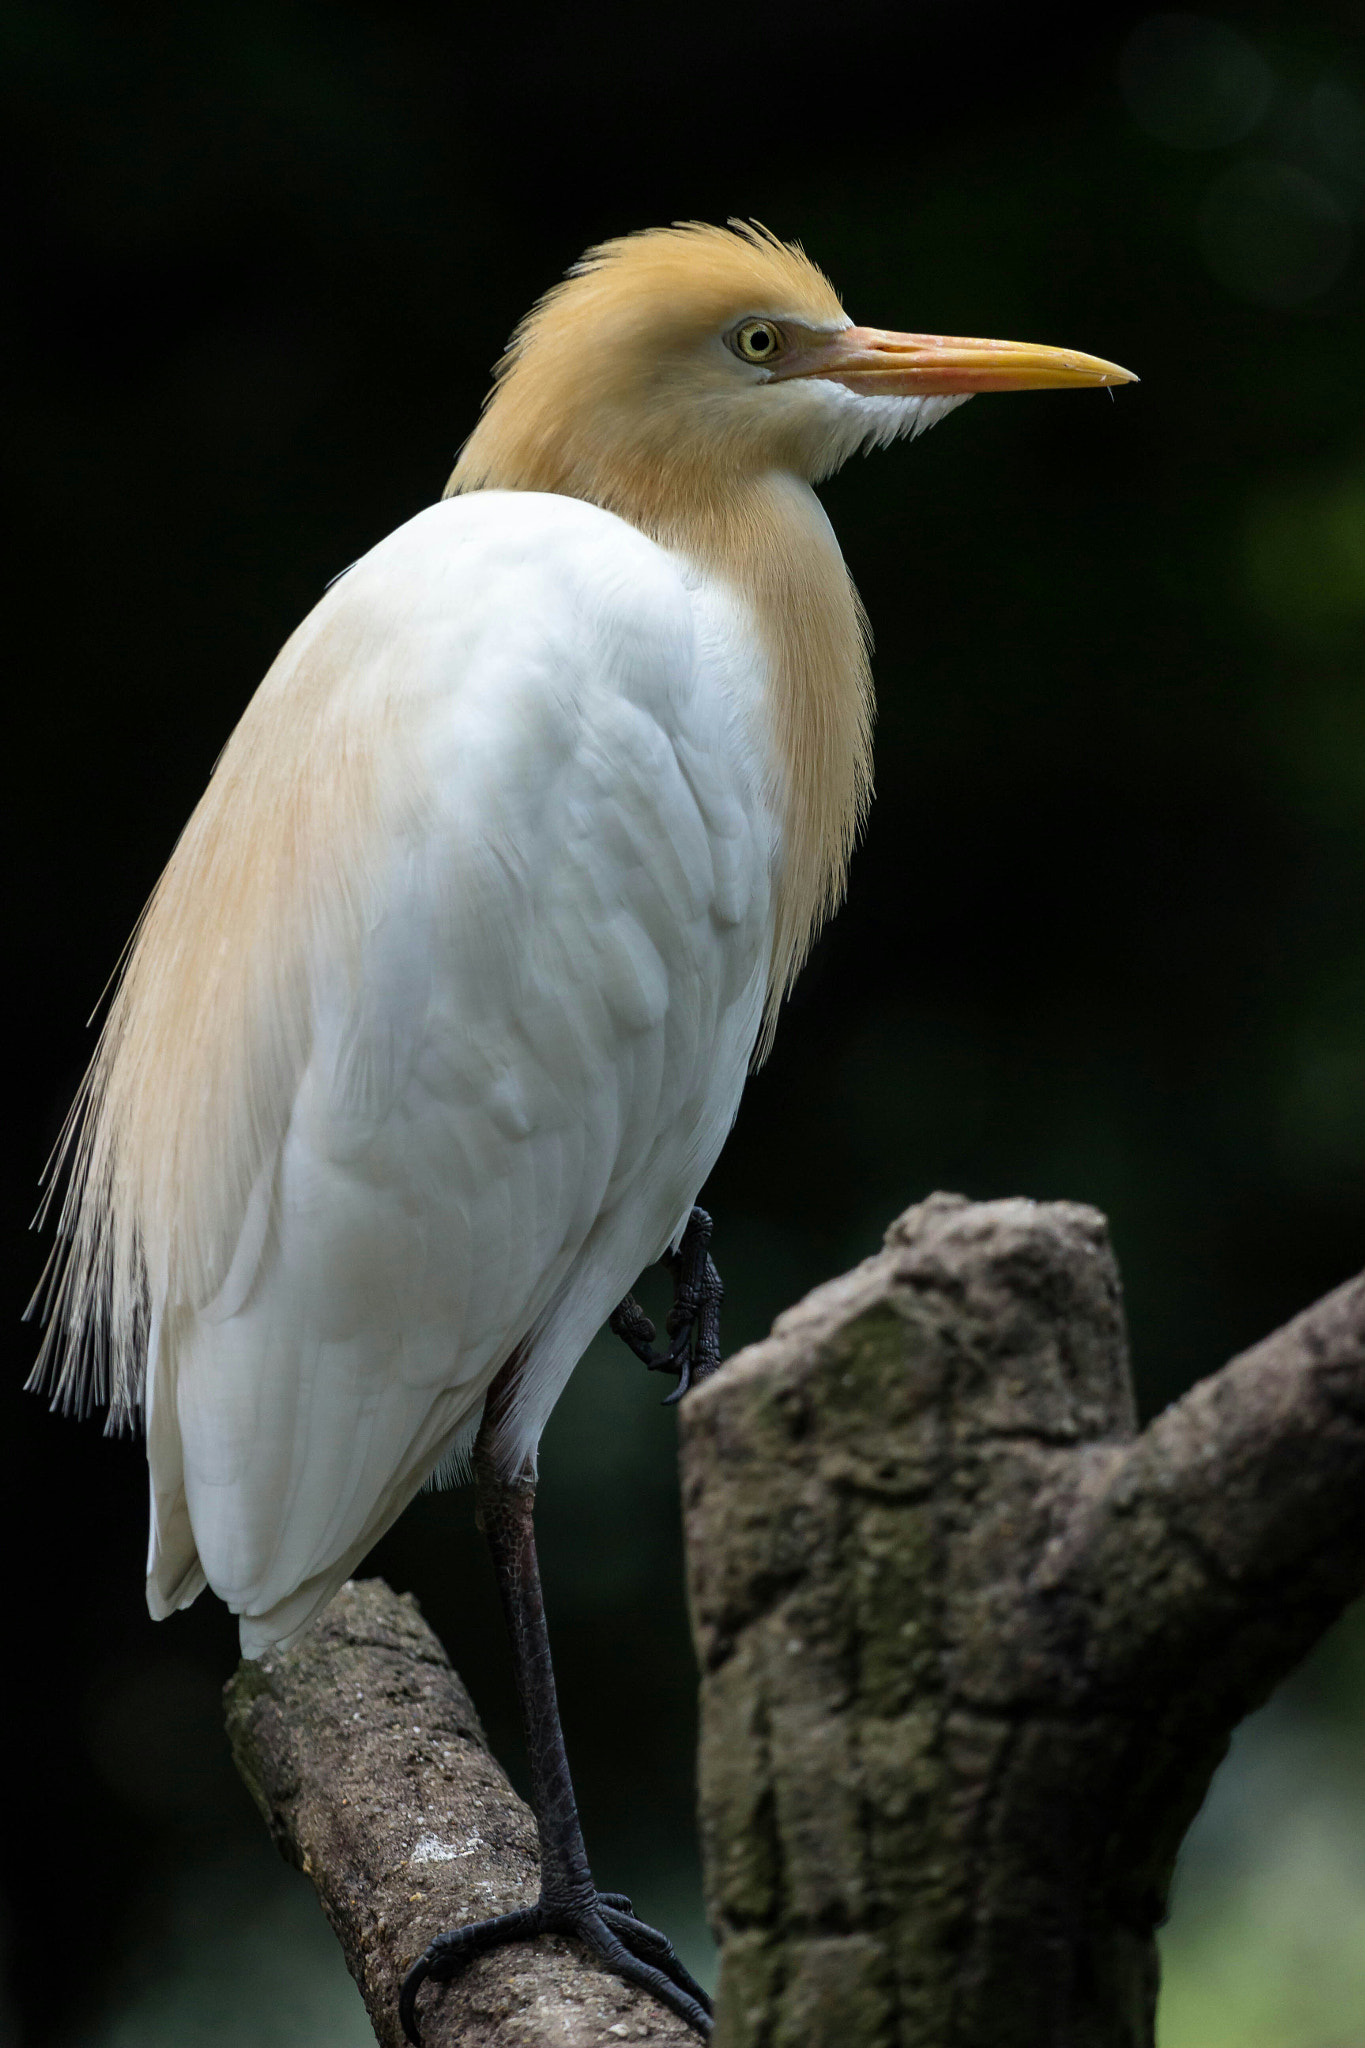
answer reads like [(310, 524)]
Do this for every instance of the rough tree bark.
[(972, 1649), (364, 1753)]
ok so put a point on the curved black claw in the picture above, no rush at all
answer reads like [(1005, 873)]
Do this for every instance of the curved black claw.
[(628, 1947), (693, 1323), (447, 1955), (643, 1956), (650, 1946)]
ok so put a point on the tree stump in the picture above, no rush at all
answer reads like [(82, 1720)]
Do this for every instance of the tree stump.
[(972, 1648)]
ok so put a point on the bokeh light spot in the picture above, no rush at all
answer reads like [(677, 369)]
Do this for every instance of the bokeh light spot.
[(1192, 82), (1273, 234), (1336, 118), (154, 1728), (1305, 559)]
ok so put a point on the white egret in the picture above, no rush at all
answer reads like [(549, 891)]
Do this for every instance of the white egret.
[(438, 1017)]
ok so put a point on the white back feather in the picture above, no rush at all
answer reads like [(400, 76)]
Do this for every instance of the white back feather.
[(198, 1060)]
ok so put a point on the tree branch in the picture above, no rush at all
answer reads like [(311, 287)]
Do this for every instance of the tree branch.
[(364, 1753), (1234, 1522)]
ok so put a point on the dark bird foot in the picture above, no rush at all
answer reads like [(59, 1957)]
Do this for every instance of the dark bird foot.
[(610, 1929), (693, 1324), (569, 1902)]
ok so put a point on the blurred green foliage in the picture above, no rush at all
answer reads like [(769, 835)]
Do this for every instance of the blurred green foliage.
[(1106, 937), (1264, 1948)]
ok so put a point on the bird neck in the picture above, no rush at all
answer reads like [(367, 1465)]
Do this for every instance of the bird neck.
[(767, 537), (770, 541)]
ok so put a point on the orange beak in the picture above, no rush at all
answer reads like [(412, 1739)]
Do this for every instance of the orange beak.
[(874, 363)]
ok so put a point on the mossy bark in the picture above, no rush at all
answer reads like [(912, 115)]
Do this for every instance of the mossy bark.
[(972, 1647)]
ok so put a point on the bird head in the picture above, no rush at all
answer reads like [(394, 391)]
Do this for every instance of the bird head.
[(671, 362)]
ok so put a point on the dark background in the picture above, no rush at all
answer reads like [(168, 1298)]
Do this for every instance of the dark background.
[(1106, 935)]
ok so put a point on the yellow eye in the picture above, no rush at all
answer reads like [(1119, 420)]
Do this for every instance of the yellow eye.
[(757, 341)]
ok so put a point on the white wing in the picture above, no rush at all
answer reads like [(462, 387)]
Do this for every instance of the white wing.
[(513, 1010)]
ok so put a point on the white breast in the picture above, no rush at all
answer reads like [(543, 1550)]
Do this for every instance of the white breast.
[(529, 987)]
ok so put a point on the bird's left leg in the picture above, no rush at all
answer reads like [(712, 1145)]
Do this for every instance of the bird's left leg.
[(569, 1901), (693, 1324)]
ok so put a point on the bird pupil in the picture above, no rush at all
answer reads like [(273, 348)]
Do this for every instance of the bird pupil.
[(760, 339)]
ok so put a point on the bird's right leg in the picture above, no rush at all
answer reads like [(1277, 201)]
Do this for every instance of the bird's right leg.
[(569, 1901), (693, 1324)]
